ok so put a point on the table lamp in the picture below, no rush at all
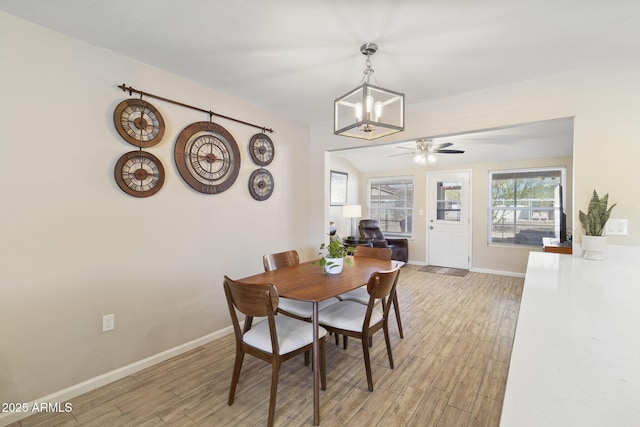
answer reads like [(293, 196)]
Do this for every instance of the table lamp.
[(353, 212)]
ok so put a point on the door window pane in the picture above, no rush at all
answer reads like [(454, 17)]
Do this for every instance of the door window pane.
[(448, 203)]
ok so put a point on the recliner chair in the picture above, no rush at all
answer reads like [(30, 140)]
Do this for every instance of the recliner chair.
[(370, 229)]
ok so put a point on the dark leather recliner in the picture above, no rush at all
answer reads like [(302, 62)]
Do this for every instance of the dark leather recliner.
[(370, 229)]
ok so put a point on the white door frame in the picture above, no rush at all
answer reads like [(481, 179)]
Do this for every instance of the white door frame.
[(466, 195)]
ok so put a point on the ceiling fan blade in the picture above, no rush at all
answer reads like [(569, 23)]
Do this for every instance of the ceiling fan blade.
[(407, 148), (449, 151), (441, 145), (401, 154)]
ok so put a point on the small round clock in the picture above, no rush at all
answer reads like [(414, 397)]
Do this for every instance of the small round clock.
[(207, 157), (139, 174), (261, 149), (139, 122), (261, 184)]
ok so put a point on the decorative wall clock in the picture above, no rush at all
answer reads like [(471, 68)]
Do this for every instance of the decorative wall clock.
[(139, 174), (261, 184), (207, 157), (139, 122), (261, 149)]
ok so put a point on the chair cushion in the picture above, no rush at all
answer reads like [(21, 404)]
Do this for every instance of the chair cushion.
[(358, 295), (292, 334), (349, 315), (303, 308)]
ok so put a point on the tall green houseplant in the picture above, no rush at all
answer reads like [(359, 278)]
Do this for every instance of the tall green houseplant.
[(597, 215)]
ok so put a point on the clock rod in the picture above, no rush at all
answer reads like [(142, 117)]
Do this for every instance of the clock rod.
[(131, 90)]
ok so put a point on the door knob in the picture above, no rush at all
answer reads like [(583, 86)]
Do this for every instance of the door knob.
[(431, 227)]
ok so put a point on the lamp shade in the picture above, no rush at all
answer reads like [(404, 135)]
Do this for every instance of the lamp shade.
[(352, 211)]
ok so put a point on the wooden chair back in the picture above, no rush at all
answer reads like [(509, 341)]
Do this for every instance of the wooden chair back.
[(381, 283), (379, 253), (282, 259), (251, 300)]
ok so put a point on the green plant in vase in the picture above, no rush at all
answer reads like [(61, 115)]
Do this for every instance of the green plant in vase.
[(597, 215), (593, 222), (333, 255)]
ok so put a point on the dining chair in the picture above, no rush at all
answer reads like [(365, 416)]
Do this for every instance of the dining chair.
[(361, 295), (274, 340), (302, 310), (352, 319)]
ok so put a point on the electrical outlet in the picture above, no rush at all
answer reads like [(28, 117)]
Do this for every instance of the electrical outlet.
[(619, 227), (108, 322)]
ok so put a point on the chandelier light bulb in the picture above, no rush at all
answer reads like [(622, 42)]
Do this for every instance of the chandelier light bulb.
[(377, 111), (358, 109), (369, 105)]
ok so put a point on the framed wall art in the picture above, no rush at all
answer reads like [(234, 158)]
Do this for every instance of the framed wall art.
[(339, 188)]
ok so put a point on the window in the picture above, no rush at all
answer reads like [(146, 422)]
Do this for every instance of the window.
[(525, 205), (391, 203)]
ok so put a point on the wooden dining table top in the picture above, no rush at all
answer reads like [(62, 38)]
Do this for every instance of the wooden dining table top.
[(307, 282)]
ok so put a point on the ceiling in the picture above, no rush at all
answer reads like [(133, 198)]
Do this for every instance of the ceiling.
[(295, 60), (545, 139)]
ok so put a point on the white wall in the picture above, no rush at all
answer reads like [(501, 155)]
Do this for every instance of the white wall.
[(604, 102), (74, 247)]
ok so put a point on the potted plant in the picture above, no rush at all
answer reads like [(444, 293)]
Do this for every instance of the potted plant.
[(593, 222), (333, 256)]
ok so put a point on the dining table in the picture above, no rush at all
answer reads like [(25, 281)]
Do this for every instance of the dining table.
[(308, 282)]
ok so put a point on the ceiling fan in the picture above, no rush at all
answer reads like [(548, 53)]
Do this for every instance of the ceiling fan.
[(426, 151)]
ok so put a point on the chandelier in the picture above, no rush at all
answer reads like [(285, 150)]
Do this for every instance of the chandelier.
[(368, 111)]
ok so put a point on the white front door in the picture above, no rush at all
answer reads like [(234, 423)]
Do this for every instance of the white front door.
[(448, 226)]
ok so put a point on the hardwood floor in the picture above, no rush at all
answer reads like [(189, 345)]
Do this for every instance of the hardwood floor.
[(451, 370)]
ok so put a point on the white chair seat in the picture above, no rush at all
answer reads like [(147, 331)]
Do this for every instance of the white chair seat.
[(349, 315), (303, 309), (357, 295), (292, 334), (360, 294)]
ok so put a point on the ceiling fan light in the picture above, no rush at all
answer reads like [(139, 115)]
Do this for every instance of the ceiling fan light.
[(431, 158), (420, 159)]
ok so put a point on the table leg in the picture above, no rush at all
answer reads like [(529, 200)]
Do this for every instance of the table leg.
[(316, 368)]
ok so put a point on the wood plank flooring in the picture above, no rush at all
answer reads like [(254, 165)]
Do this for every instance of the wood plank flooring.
[(450, 370)]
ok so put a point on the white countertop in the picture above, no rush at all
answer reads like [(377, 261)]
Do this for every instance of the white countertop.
[(576, 353)]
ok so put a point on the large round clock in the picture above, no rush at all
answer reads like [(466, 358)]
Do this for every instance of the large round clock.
[(261, 149), (207, 157), (261, 184), (138, 122), (139, 174)]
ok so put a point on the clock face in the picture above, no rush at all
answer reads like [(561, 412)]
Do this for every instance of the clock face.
[(139, 123), (261, 149), (207, 157), (139, 174), (261, 184)]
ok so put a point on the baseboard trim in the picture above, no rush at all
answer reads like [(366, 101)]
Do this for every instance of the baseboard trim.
[(68, 393), (478, 270), (497, 272)]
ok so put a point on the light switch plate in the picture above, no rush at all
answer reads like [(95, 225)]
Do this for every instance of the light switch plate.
[(617, 227)]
